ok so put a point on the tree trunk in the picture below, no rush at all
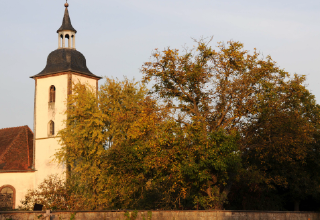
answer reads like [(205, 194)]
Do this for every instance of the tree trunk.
[(227, 188), (296, 205)]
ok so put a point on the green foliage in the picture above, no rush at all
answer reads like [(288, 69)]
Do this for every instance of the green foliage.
[(133, 216), (283, 147), (212, 120), (54, 194), (149, 216), (231, 89), (125, 151), (73, 216)]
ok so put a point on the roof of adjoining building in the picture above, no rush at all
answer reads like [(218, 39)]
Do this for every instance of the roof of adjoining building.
[(16, 149)]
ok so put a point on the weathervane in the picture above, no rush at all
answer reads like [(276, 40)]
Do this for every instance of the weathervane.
[(66, 5)]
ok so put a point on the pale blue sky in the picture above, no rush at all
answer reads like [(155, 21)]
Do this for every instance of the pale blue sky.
[(117, 37)]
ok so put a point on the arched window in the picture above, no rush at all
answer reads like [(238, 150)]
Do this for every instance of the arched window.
[(7, 197), (52, 94), (68, 43), (61, 40), (51, 128), (73, 41)]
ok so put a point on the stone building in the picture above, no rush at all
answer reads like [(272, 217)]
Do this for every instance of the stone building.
[(26, 156)]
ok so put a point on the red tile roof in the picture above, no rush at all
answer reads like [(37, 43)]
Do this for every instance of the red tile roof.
[(16, 149)]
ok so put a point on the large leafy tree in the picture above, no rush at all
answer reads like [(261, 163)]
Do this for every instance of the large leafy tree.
[(214, 117), (219, 90), (237, 91), (95, 122), (283, 143), (125, 151)]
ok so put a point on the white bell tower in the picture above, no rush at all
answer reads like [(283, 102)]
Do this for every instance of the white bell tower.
[(53, 85)]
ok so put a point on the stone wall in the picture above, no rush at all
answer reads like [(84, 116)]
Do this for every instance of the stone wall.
[(163, 215)]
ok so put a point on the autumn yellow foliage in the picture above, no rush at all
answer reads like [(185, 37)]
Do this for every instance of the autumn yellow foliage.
[(215, 123)]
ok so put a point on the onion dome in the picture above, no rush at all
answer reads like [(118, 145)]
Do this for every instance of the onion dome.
[(64, 60)]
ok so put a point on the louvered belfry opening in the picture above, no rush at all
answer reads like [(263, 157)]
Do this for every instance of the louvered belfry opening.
[(52, 94)]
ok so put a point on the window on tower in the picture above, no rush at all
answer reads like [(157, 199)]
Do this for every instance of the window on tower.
[(51, 128), (52, 94), (67, 43)]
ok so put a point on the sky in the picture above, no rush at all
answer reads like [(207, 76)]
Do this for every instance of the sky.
[(117, 37)]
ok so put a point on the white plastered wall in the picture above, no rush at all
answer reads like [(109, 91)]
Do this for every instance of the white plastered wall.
[(20, 181), (84, 80), (45, 146)]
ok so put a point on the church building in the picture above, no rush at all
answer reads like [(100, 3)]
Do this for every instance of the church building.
[(26, 156)]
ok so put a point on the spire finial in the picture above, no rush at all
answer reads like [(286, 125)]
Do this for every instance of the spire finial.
[(66, 5), (66, 22)]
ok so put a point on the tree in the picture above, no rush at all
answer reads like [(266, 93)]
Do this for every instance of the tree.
[(126, 152), (223, 89), (54, 194), (231, 89), (283, 143), (213, 118), (94, 124)]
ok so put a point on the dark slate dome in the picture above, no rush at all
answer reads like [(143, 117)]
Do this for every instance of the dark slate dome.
[(63, 60)]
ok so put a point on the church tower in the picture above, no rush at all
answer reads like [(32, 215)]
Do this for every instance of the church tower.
[(53, 84)]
